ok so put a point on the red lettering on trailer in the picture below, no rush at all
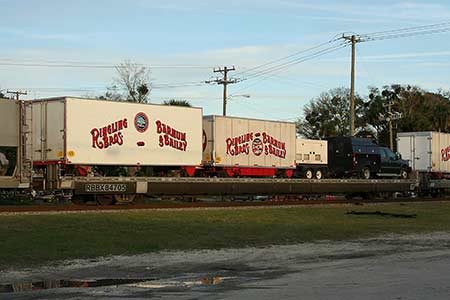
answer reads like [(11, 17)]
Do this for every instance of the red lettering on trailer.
[(267, 145), (239, 144), (445, 153), (170, 137), (109, 135)]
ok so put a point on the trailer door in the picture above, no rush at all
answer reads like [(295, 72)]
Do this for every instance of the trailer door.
[(416, 148)]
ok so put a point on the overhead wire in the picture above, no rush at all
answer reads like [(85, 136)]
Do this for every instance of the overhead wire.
[(405, 32), (416, 28), (8, 61), (286, 57), (268, 73), (297, 61)]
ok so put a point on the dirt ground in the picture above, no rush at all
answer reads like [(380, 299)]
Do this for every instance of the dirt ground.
[(388, 267)]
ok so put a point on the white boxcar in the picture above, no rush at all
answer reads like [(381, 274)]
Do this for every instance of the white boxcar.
[(98, 132), (426, 151), (248, 143), (311, 152)]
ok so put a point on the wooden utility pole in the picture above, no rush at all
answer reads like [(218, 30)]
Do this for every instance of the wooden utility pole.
[(17, 93), (225, 81), (353, 39), (389, 117)]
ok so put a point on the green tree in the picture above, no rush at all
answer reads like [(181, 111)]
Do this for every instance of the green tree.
[(329, 115), (421, 110), (175, 102)]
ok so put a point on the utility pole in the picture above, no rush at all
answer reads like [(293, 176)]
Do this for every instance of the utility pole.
[(17, 93), (353, 39), (389, 117), (225, 81)]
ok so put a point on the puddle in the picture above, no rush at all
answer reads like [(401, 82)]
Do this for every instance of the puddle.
[(148, 283), (56, 284), (157, 284)]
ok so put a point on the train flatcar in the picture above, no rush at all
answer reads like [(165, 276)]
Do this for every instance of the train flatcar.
[(113, 150)]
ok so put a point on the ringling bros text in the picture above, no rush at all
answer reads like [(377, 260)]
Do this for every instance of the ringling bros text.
[(258, 143), (109, 135), (445, 153)]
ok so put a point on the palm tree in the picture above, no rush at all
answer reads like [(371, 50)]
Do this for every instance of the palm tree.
[(175, 102)]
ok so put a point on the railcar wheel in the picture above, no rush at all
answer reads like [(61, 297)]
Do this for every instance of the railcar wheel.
[(319, 174), (404, 174), (105, 199), (124, 198), (365, 173), (309, 174), (78, 200)]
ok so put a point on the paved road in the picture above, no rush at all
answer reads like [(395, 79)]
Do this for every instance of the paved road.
[(413, 267)]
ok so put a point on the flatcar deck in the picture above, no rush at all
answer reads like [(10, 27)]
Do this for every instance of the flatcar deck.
[(230, 186)]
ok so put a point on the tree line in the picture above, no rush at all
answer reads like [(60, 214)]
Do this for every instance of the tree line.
[(132, 84), (421, 110)]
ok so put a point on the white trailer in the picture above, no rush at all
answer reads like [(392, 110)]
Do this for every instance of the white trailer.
[(9, 136), (311, 158), (248, 147), (78, 131), (426, 151), (15, 150)]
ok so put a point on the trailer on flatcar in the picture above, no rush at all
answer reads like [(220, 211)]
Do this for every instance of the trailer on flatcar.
[(248, 147), (428, 154), (64, 147)]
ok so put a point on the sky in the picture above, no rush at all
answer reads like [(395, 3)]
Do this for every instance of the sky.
[(183, 41)]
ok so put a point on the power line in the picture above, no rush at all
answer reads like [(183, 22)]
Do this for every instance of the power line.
[(402, 35), (286, 57), (277, 69), (404, 32), (91, 66), (417, 28), (103, 88), (16, 93), (288, 64)]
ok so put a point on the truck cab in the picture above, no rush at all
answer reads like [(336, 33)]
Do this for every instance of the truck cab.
[(392, 164)]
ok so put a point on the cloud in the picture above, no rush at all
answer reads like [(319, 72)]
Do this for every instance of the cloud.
[(412, 11), (48, 36), (397, 57)]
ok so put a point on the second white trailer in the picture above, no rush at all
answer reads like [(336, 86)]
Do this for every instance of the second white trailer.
[(426, 151), (249, 147)]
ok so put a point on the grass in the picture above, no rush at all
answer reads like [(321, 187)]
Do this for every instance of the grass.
[(27, 240)]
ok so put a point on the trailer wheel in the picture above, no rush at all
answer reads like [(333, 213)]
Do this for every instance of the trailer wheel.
[(365, 173), (404, 174), (309, 174), (319, 174)]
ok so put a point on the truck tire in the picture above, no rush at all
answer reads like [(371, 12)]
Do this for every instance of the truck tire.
[(365, 173), (319, 174), (404, 174)]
